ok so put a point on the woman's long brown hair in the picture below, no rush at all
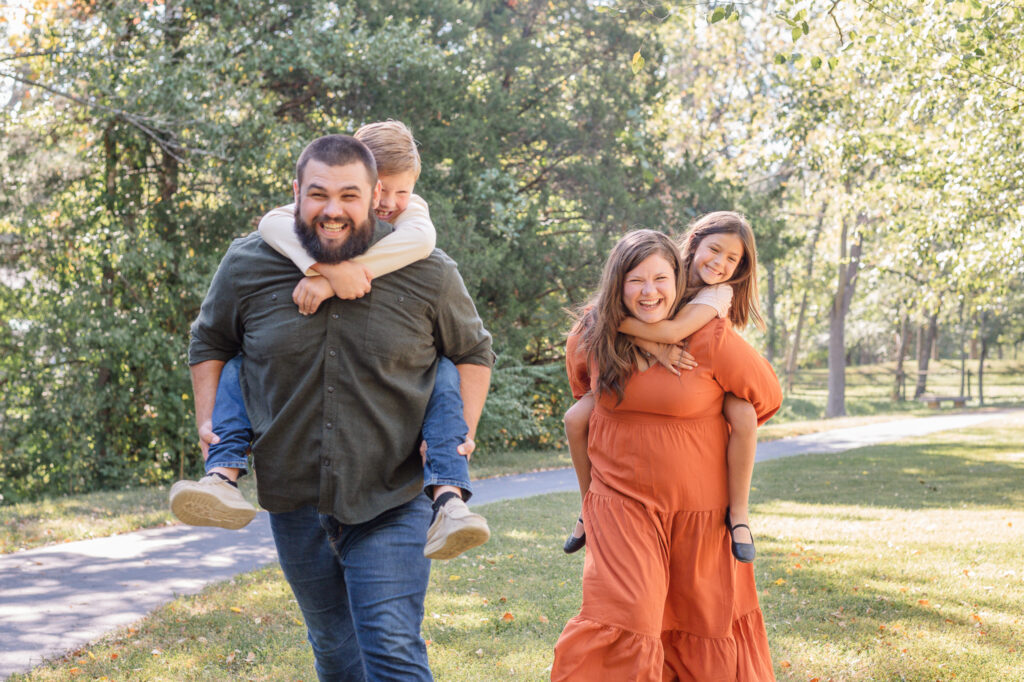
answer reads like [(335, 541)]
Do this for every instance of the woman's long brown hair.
[(609, 351), (746, 304)]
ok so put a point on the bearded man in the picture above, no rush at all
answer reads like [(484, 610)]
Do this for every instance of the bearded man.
[(336, 400)]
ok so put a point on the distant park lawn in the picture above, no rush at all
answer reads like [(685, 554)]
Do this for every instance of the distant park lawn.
[(895, 562)]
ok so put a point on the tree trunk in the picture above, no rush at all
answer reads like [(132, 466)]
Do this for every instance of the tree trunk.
[(925, 354), (793, 351), (963, 351), (899, 389), (846, 281), (982, 352)]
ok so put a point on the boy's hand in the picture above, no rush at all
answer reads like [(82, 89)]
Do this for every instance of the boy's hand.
[(348, 280), (467, 448), (207, 438), (310, 292)]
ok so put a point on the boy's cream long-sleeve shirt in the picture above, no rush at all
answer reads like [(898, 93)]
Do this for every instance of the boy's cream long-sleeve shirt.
[(413, 239)]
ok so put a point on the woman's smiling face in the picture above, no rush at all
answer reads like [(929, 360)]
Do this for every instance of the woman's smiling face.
[(649, 289)]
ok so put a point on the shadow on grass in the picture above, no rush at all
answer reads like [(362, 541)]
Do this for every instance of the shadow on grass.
[(842, 618), (904, 476)]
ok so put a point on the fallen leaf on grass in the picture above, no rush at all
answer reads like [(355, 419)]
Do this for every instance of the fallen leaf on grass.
[(114, 657), (785, 664), (923, 602), (236, 609), (508, 617), (74, 671), (230, 658), (454, 577), (780, 581), (250, 657), (543, 619)]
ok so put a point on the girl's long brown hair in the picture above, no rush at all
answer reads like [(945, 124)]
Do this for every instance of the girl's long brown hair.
[(746, 304), (609, 351)]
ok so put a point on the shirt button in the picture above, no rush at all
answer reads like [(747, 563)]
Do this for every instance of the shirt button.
[(330, 425), (330, 389), (334, 316), (332, 353), (273, 297)]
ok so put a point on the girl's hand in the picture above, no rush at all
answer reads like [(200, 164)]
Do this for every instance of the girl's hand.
[(348, 280), (670, 355), (310, 292), (679, 357)]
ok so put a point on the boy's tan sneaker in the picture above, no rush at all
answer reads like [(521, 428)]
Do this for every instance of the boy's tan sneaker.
[(210, 501), (454, 530)]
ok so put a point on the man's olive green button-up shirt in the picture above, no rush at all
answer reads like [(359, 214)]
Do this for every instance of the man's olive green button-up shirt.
[(336, 399)]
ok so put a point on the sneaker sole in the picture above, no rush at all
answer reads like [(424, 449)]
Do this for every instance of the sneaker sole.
[(458, 542), (200, 508)]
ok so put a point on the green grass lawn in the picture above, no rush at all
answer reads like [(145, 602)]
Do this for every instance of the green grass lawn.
[(896, 562)]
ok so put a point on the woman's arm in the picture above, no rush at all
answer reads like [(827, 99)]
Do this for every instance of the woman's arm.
[(740, 370)]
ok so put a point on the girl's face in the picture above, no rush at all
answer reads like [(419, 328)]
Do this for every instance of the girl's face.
[(716, 259), (649, 289)]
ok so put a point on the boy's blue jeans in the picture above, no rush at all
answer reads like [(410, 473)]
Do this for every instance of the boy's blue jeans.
[(360, 588), (230, 422), (444, 428)]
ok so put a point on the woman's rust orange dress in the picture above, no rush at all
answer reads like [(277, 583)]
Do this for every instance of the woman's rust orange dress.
[(663, 598)]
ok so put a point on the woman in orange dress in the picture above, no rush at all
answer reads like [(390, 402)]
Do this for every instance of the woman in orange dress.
[(663, 597)]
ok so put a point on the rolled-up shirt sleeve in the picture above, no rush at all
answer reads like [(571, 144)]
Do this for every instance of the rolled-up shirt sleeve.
[(459, 331), (217, 332)]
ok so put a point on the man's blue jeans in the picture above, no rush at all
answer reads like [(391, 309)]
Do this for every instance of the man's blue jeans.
[(444, 428), (361, 589)]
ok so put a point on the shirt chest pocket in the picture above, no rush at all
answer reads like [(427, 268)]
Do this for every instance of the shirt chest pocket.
[(399, 327), (275, 327)]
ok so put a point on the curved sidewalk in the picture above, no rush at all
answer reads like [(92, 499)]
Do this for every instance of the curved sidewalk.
[(61, 597)]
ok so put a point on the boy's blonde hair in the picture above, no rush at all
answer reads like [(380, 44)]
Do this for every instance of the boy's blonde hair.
[(392, 145)]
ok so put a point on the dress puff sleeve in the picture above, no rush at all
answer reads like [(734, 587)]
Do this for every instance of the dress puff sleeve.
[(740, 370), (576, 366)]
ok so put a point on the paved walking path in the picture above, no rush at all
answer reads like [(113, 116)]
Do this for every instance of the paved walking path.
[(58, 598)]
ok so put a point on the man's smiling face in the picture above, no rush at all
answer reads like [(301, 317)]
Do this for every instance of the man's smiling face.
[(333, 210)]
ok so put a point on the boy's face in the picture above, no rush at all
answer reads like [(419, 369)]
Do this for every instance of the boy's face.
[(395, 191)]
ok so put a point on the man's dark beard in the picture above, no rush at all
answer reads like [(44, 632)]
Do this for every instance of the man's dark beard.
[(358, 240)]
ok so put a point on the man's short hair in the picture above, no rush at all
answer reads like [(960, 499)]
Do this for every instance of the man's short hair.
[(393, 147), (337, 150)]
